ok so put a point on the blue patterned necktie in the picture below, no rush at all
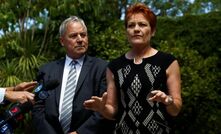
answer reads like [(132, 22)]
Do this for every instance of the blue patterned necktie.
[(66, 110)]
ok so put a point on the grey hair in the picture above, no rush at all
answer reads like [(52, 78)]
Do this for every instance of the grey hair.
[(64, 24)]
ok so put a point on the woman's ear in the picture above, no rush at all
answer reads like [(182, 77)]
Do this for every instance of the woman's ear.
[(153, 32)]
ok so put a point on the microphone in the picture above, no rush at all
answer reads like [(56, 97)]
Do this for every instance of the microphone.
[(41, 92), (16, 111), (40, 76), (40, 80)]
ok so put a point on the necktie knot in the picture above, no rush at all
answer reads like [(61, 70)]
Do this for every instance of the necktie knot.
[(73, 62)]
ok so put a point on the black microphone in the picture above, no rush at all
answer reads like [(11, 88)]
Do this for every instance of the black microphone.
[(16, 111), (40, 76), (42, 92), (40, 80)]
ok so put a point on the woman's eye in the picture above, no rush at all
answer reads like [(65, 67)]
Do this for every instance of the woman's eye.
[(143, 24), (130, 25)]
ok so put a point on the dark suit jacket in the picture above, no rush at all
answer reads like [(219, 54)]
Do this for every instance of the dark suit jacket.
[(92, 81)]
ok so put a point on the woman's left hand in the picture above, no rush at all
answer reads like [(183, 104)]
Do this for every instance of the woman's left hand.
[(160, 96)]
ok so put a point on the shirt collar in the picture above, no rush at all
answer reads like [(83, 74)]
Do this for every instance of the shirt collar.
[(79, 61)]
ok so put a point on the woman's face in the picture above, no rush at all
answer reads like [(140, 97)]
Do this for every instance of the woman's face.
[(139, 30)]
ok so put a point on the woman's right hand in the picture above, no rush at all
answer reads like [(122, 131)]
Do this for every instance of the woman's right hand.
[(96, 103)]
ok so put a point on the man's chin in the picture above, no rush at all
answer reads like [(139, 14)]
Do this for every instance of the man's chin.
[(81, 52), (80, 49)]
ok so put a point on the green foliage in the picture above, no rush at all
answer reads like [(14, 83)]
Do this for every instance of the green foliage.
[(8, 74), (201, 32), (195, 40), (2, 51), (109, 43), (23, 54), (200, 92)]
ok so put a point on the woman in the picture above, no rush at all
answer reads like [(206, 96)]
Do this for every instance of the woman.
[(144, 89)]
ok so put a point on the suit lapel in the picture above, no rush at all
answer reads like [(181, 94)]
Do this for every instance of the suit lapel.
[(84, 71), (59, 72)]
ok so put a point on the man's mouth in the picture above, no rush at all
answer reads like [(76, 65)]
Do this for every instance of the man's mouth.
[(79, 46)]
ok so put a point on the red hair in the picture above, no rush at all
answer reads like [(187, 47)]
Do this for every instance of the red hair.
[(141, 8)]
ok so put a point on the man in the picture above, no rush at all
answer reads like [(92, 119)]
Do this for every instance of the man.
[(19, 93), (87, 79)]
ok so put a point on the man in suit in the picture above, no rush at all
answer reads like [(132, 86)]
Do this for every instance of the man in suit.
[(91, 80)]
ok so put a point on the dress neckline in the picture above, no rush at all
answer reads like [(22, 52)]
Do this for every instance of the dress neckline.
[(143, 59)]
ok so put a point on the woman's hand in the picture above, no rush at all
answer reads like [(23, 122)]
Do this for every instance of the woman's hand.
[(159, 96), (96, 103)]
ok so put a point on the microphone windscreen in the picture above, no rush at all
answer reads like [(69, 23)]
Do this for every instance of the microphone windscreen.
[(51, 84), (39, 76)]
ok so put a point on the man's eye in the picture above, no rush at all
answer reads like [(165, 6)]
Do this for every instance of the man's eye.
[(73, 36), (83, 35)]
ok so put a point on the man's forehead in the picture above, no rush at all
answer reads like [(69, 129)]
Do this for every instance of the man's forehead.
[(76, 26)]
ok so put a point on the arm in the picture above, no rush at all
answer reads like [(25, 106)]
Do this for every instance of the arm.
[(173, 100), (174, 86), (111, 106), (95, 122), (20, 92), (20, 96), (107, 104), (24, 86)]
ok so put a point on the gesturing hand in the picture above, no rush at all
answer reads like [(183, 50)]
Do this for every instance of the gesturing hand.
[(159, 96), (96, 103)]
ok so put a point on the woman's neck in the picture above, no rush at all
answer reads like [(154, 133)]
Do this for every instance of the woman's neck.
[(138, 54)]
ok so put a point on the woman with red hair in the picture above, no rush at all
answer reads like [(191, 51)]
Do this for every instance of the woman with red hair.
[(144, 85)]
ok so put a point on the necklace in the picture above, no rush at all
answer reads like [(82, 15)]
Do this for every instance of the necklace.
[(138, 57), (138, 61)]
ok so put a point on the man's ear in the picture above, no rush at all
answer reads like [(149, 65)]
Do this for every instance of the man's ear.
[(61, 41)]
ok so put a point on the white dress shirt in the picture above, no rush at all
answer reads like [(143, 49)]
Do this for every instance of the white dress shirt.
[(67, 68), (2, 94)]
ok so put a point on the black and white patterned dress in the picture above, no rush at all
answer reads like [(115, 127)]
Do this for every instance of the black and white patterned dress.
[(137, 115)]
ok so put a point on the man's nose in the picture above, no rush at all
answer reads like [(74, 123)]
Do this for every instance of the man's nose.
[(79, 38)]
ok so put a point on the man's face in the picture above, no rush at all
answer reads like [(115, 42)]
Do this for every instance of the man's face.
[(75, 40)]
